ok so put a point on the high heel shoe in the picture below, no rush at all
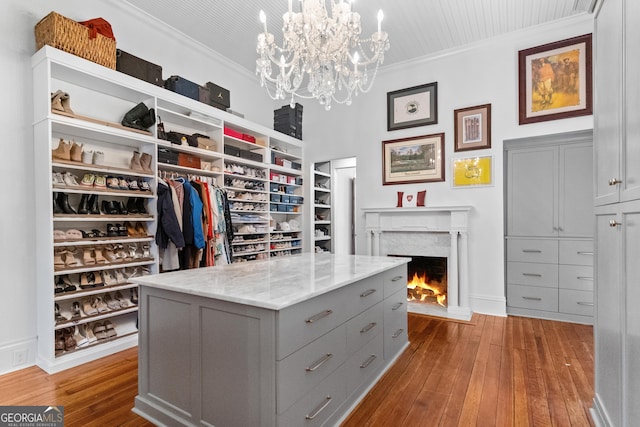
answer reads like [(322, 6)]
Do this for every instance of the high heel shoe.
[(63, 202), (108, 279), (118, 297), (111, 303), (69, 286), (146, 251), (88, 307), (62, 151), (140, 230), (131, 230), (81, 340), (99, 304), (57, 315), (75, 310), (89, 333), (120, 277)]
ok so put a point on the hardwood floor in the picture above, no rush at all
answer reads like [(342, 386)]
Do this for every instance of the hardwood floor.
[(491, 371)]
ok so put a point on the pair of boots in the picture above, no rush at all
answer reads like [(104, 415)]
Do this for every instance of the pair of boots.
[(69, 151), (140, 162), (139, 117), (89, 204), (61, 205), (61, 102)]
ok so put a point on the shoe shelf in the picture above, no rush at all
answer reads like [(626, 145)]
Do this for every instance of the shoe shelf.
[(249, 242), (101, 241), (73, 295), (322, 216), (84, 167), (106, 266), (200, 152), (89, 346), (86, 129), (176, 114), (101, 217), (322, 238), (75, 321), (102, 192)]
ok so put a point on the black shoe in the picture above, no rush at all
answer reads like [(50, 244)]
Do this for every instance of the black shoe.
[(113, 230), (63, 202), (132, 207), (140, 206), (121, 208), (109, 208), (83, 206), (56, 208), (122, 230), (92, 205)]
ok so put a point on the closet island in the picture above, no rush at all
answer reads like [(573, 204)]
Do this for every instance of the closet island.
[(291, 341)]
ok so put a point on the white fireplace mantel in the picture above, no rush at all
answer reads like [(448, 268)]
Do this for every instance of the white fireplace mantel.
[(453, 220)]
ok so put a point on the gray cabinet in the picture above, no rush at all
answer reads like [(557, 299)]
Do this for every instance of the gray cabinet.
[(549, 203), (617, 200)]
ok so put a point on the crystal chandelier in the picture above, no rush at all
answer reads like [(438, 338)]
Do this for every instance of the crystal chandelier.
[(322, 55)]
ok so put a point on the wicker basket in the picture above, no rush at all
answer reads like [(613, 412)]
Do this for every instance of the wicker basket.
[(68, 35)]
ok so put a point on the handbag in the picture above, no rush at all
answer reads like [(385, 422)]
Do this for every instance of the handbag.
[(205, 142), (161, 132)]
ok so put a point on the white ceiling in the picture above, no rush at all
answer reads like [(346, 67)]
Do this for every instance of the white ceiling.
[(416, 28)]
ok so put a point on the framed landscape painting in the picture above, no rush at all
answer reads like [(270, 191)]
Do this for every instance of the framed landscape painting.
[(416, 159), (554, 80)]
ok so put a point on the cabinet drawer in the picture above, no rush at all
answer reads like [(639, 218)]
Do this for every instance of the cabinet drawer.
[(362, 328), (302, 323), (529, 273), (313, 409), (363, 294), (395, 279), (532, 250), (577, 252), (364, 364), (395, 324), (576, 302), (532, 297), (578, 277), (301, 371)]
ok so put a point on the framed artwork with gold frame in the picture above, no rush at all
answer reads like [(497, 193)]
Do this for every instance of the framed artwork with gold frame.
[(416, 159), (472, 171)]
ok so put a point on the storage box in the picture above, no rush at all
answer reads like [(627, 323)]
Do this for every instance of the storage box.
[(220, 97), (188, 160), (274, 177), (275, 198), (291, 180), (183, 87), (299, 180), (203, 95), (282, 208), (289, 190), (231, 150), (249, 138), (139, 68), (296, 165), (284, 198), (70, 36), (233, 133), (274, 186), (250, 155), (167, 156)]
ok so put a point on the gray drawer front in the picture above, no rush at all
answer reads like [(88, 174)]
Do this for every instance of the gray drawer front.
[(361, 295), (364, 364), (320, 403), (577, 277), (395, 324), (362, 328), (304, 369), (576, 302), (302, 323), (532, 297), (532, 250), (528, 273), (395, 279), (577, 252)]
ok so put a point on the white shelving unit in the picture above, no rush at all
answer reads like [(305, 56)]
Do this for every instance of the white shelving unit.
[(322, 218), (99, 98)]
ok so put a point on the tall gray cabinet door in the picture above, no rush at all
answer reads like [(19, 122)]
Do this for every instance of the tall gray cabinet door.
[(576, 194), (608, 327), (607, 101), (532, 192), (630, 149)]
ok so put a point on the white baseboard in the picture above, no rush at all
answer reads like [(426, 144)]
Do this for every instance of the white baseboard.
[(18, 355), (491, 305), (599, 414)]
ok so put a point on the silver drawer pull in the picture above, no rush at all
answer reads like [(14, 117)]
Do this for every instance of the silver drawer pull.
[(368, 327), (318, 316), (532, 251), (395, 279), (397, 306), (532, 274), (397, 333), (368, 361), (584, 253), (367, 293), (324, 359), (532, 298), (585, 278), (588, 304), (319, 408)]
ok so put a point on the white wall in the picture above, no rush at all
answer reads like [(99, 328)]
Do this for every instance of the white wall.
[(135, 33), (483, 73)]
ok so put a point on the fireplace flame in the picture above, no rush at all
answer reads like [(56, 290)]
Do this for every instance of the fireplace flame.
[(419, 288)]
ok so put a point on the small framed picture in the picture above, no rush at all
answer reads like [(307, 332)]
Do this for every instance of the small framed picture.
[(472, 128), (411, 107), (472, 171), (410, 160), (554, 80)]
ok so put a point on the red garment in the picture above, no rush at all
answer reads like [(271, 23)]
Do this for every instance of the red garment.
[(98, 26)]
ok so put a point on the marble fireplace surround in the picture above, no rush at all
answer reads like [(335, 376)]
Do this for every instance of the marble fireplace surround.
[(426, 231)]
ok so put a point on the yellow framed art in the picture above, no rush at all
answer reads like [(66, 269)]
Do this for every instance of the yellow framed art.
[(472, 171)]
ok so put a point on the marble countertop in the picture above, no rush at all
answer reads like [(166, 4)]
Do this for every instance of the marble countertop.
[(276, 283)]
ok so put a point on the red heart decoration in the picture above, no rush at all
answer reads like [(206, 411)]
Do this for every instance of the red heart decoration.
[(410, 198)]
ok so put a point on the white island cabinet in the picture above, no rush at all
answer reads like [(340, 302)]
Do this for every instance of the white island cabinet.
[(295, 341)]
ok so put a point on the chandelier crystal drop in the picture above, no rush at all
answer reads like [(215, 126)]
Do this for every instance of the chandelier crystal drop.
[(322, 55)]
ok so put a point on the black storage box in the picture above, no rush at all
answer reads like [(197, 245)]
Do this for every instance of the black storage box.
[(204, 95), (167, 155), (183, 87), (246, 154), (219, 96), (231, 150), (288, 120), (138, 68)]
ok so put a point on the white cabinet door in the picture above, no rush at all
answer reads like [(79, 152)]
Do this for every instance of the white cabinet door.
[(575, 192), (630, 148), (608, 89), (532, 192)]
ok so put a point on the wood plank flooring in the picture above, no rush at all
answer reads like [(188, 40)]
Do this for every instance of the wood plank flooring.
[(492, 371)]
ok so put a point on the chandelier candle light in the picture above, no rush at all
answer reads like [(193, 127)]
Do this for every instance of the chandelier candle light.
[(323, 50)]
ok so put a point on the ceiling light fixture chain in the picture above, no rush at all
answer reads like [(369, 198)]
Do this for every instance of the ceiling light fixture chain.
[(322, 55)]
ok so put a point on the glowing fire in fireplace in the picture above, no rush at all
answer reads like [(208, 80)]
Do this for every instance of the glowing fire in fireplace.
[(419, 288)]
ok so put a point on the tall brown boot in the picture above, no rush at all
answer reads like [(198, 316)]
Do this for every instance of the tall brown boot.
[(145, 161), (63, 151), (135, 164), (76, 152)]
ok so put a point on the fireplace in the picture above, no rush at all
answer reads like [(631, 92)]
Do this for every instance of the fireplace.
[(427, 280), (426, 233)]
